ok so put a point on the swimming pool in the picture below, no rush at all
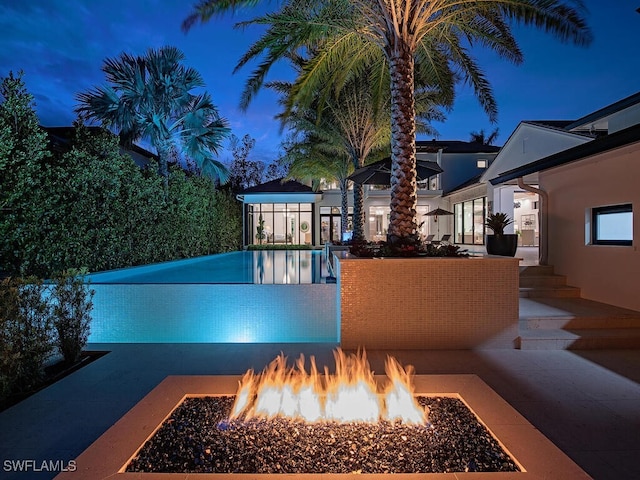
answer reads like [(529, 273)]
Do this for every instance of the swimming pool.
[(240, 297), (259, 267)]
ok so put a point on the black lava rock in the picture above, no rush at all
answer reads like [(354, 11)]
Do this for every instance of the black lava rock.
[(199, 438)]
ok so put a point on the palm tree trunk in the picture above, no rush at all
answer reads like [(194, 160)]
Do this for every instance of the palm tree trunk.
[(358, 211), (402, 224), (163, 169), (358, 200), (344, 210)]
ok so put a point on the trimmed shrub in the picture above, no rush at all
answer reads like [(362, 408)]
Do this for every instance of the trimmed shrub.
[(72, 307), (26, 333)]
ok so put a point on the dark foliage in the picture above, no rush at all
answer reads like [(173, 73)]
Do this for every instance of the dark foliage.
[(90, 206)]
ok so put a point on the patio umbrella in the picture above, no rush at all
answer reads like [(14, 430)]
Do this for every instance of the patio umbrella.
[(379, 173), (435, 213)]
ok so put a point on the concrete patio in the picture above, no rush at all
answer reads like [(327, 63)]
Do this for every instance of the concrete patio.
[(586, 402)]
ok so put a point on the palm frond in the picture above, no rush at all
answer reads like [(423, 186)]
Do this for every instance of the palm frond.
[(204, 10)]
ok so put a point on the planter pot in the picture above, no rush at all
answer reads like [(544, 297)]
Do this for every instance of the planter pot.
[(504, 245)]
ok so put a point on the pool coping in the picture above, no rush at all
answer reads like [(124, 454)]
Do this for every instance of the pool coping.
[(535, 454)]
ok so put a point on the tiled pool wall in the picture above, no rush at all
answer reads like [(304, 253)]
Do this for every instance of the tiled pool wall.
[(201, 313)]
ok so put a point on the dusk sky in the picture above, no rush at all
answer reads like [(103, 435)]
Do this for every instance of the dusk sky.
[(61, 45)]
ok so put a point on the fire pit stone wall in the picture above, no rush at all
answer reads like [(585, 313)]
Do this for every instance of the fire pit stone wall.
[(427, 303)]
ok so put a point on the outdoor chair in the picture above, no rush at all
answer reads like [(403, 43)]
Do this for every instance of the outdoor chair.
[(444, 240), (429, 238)]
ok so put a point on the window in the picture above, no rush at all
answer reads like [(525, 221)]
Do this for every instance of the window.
[(279, 223), (331, 223), (612, 225), (469, 221)]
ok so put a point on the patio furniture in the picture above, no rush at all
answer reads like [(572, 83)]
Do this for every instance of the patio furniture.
[(429, 238), (444, 240)]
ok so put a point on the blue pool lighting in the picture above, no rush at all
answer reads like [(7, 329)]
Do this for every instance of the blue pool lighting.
[(238, 297)]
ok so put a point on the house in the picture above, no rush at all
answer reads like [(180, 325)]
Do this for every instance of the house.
[(60, 138), (292, 212), (589, 200)]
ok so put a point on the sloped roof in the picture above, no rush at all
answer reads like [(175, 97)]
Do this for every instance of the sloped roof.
[(559, 124), (599, 145), (606, 111), (472, 181), (61, 136), (279, 186), (453, 146)]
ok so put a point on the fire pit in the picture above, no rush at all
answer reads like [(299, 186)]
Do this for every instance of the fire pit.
[(286, 420), (129, 444)]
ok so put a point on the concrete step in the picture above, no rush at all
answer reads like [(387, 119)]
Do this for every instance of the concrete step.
[(528, 281), (560, 291), (536, 270), (580, 323), (572, 308), (556, 323), (580, 339)]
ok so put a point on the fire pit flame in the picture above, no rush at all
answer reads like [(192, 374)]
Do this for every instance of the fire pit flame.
[(350, 395)]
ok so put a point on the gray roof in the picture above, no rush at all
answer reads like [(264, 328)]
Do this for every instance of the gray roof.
[(606, 111), (453, 146), (279, 186), (472, 181), (599, 145)]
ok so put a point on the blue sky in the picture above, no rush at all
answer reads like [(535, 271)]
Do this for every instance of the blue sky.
[(61, 45)]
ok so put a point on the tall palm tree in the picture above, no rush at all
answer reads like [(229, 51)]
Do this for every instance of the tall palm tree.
[(315, 149), (311, 155), (149, 97), (482, 138), (354, 121), (432, 36)]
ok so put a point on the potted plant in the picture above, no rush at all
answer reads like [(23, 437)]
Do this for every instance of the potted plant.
[(260, 235), (500, 243)]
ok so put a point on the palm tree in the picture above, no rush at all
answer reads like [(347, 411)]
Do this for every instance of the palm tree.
[(482, 138), (432, 36), (354, 122), (149, 97), (315, 150)]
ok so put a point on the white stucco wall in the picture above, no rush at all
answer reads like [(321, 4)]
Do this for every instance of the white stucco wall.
[(528, 143), (609, 274)]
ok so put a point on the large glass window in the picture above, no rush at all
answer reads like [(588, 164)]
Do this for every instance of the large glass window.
[(469, 221), (378, 223), (286, 223), (478, 221), (331, 224), (379, 217), (612, 225)]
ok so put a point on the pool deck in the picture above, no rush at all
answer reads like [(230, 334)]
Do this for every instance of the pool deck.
[(586, 402)]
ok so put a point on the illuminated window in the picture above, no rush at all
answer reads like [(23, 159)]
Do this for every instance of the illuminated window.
[(612, 225), (469, 219)]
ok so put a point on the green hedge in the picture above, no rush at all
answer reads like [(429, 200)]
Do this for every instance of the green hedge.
[(90, 206)]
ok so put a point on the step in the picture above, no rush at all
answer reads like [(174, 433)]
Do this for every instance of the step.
[(552, 292), (572, 308), (536, 270), (581, 323), (528, 281), (580, 339)]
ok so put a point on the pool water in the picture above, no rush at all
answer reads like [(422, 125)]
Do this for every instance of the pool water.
[(240, 297), (259, 267)]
